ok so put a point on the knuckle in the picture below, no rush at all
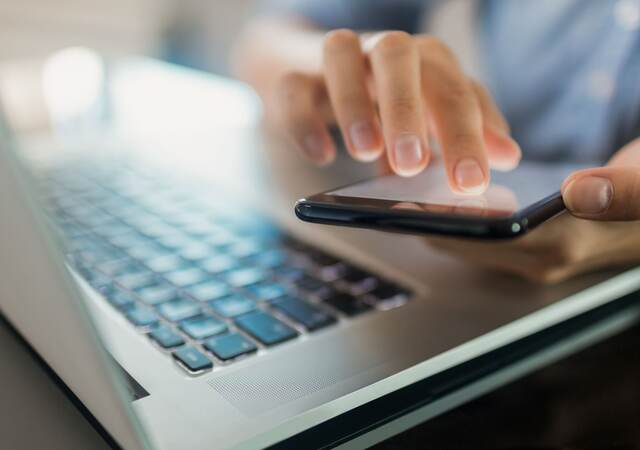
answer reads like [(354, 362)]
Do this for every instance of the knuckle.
[(290, 95), (449, 90), (564, 253), (559, 256), (291, 86), (432, 46), (293, 81), (479, 87), (339, 39), (467, 139), (543, 275), (351, 99), (458, 93), (403, 106), (393, 41)]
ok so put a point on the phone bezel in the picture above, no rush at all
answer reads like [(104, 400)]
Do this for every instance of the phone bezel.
[(360, 212)]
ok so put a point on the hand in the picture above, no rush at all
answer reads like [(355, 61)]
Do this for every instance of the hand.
[(394, 91), (600, 229)]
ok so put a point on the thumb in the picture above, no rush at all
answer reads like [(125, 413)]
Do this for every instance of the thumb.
[(607, 193)]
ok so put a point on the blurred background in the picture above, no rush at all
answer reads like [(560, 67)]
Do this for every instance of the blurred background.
[(197, 33), (193, 33)]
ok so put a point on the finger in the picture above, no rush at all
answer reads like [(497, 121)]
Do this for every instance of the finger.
[(396, 73), (503, 152), (298, 97), (345, 76), (456, 113), (383, 167), (606, 193)]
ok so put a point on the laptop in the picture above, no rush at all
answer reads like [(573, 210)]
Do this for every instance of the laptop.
[(184, 318)]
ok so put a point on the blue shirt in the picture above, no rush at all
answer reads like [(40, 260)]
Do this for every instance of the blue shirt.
[(566, 73)]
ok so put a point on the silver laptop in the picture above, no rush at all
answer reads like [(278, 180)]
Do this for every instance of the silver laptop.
[(184, 316)]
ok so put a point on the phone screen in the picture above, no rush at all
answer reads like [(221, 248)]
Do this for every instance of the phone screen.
[(507, 193)]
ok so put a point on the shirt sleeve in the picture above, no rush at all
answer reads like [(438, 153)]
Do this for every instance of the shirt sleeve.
[(404, 15)]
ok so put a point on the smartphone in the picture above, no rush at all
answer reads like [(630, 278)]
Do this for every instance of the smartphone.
[(514, 203)]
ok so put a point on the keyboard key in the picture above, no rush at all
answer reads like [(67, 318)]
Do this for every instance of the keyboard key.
[(208, 291), (233, 305), (84, 269), (193, 359), (146, 251), (245, 277), (166, 337), (295, 244), (180, 309), (265, 328), (143, 222), (99, 281), (355, 275), (176, 241), (387, 295), (141, 316), (218, 264), (290, 273), (184, 218), (270, 259), (195, 252), (322, 259), (155, 295), (221, 238), (198, 228), (164, 264), (229, 346), (332, 273), (202, 327), (95, 218), (309, 316), (82, 243), (158, 230), (119, 267), (111, 230), (135, 281), (129, 240), (269, 291), (119, 299), (313, 286), (72, 230), (186, 277), (347, 304), (358, 280), (99, 254), (244, 249)]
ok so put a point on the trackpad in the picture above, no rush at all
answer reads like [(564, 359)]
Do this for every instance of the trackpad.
[(300, 372)]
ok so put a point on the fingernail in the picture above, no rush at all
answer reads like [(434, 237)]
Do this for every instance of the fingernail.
[(469, 176), (408, 154), (365, 139), (589, 195), (314, 147)]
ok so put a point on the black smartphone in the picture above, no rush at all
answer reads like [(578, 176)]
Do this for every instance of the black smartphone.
[(514, 203)]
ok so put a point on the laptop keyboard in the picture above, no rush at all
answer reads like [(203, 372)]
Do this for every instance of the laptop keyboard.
[(206, 283)]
